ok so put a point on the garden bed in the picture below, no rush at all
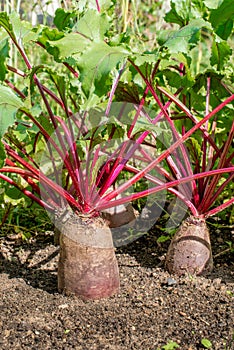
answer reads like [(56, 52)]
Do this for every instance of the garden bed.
[(151, 309)]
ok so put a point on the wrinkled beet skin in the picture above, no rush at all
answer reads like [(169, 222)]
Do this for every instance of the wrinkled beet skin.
[(85, 269), (190, 249), (89, 273)]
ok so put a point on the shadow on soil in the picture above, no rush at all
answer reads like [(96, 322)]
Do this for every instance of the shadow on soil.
[(145, 250), (150, 254), (34, 274)]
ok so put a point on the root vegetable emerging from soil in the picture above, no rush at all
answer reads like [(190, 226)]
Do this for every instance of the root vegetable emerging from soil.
[(190, 249), (87, 265)]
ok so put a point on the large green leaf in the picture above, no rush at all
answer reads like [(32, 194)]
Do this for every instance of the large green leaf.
[(64, 19), (96, 63), (222, 14), (222, 19), (60, 83), (183, 11), (70, 45), (143, 58), (89, 28), (93, 25), (225, 29), (187, 37), (217, 92), (220, 53), (9, 105), (174, 79), (127, 92)]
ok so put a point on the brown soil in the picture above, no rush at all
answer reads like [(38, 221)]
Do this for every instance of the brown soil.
[(151, 309)]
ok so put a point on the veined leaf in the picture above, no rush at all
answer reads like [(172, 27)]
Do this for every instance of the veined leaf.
[(127, 93), (69, 45), (59, 81), (96, 63), (194, 148), (187, 37), (93, 25), (9, 105), (174, 79), (142, 124)]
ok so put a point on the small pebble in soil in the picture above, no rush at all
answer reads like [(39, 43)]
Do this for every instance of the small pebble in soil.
[(63, 306), (171, 281)]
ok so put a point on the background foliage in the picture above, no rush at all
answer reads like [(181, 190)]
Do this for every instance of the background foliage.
[(203, 47)]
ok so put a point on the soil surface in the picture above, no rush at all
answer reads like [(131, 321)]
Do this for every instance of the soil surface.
[(151, 310)]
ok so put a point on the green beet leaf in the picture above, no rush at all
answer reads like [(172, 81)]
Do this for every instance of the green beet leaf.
[(64, 19), (4, 53), (14, 196), (174, 79), (93, 25), (48, 34), (225, 29), (171, 345), (127, 92), (9, 105), (222, 14), (220, 53), (60, 83), (2, 155), (141, 59), (183, 11), (179, 12), (187, 37), (70, 45), (222, 19), (96, 63)]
